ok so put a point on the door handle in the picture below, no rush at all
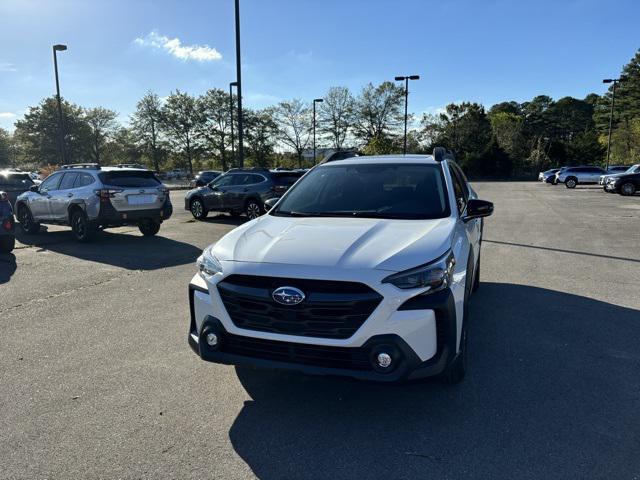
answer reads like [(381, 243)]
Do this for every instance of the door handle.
[(245, 190)]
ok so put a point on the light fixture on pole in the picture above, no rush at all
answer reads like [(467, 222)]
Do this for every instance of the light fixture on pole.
[(56, 49), (406, 101), (615, 82), (315, 100)]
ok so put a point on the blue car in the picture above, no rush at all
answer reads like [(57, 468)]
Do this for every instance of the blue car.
[(7, 225)]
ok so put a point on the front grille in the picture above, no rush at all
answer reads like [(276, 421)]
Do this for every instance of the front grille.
[(331, 309), (316, 355)]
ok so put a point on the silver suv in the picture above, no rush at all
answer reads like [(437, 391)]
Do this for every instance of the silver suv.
[(88, 197), (572, 176)]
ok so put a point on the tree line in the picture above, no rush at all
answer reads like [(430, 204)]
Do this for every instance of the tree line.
[(509, 139)]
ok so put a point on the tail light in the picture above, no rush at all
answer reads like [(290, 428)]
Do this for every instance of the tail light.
[(8, 224), (106, 193)]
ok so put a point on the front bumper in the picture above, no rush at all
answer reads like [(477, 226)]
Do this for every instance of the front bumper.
[(430, 318)]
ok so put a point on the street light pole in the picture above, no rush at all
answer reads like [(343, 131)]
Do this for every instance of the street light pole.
[(406, 104), (613, 103), (315, 100), (233, 148), (239, 87), (56, 49)]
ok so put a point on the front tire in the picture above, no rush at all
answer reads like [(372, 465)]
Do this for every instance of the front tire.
[(197, 209), (27, 224), (253, 209), (82, 228), (7, 243), (627, 189), (571, 182), (149, 227)]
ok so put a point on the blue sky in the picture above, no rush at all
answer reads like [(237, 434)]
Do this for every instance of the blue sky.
[(479, 50)]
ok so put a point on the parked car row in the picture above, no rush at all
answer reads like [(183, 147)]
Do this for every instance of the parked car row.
[(624, 180), (240, 191)]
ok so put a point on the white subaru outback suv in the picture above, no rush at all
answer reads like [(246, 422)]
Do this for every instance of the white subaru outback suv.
[(362, 269)]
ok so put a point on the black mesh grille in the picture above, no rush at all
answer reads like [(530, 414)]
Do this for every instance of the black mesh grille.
[(330, 310), (319, 356)]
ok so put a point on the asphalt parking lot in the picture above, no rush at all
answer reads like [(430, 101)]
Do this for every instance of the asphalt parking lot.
[(97, 379)]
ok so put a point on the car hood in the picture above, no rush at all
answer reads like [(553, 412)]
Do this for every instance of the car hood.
[(355, 243)]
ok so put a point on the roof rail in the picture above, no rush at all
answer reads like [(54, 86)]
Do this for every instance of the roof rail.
[(251, 169), (441, 153), (88, 166)]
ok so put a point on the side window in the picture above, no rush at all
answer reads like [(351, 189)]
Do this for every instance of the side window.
[(223, 181), (463, 180), (68, 180), (51, 183), (241, 179), (458, 190), (254, 178), (83, 180)]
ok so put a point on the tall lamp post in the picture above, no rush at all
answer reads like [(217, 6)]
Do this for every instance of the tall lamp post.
[(56, 49), (233, 148), (239, 86), (315, 100), (615, 82), (406, 101)]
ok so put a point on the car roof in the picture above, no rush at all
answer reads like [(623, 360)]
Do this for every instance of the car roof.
[(381, 159)]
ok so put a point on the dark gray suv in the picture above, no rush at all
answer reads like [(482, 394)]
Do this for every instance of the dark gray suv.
[(240, 191)]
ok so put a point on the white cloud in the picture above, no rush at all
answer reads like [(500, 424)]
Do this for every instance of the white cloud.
[(7, 114), (7, 67), (174, 47)]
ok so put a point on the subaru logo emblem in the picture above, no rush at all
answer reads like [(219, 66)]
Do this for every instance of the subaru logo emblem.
[(288, 295)]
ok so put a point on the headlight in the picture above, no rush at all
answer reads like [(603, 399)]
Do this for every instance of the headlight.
[(207, 263), (436, 275)]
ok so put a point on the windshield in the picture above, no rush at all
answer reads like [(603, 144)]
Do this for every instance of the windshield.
[(403, 191)]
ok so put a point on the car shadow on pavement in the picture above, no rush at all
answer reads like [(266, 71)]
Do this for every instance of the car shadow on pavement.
[(225, 219), (552, 392), (7, 267), (126, 250)]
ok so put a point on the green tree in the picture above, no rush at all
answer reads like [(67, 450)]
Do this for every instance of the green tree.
[(336, 116), (378, 112), (181, 119), (145, 123), (38, 133), (294, 122), (5, 148), (260, 133), (215, 129), (102, 125)]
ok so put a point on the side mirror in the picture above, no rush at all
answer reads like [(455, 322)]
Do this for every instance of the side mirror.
[(270, 203), (33, 188), (477, 209)]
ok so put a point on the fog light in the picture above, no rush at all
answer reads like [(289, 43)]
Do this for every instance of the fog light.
[(212, 339), (384, 360)]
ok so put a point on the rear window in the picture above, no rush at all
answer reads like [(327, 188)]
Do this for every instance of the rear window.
[(286, 178), (16, 180), (129, 179)]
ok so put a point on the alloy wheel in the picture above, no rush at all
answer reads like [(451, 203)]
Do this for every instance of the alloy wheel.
[(628, 189), (253, 210), (196, 208)]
